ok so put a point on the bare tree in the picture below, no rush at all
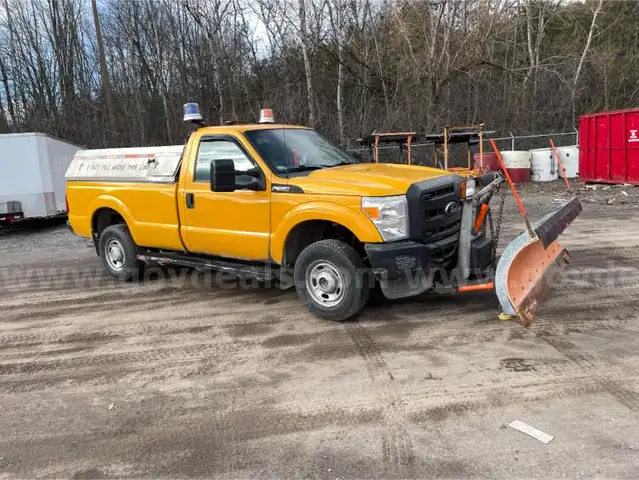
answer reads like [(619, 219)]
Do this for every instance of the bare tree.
[(538, 15), (303, 34), (593, 25), (104, 71), (345, 67), (337, 12), (211, 17)]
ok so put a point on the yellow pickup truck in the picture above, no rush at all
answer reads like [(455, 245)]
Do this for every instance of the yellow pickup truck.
[(272, 202)]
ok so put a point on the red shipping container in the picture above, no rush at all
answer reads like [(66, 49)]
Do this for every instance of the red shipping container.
[(609, 147)]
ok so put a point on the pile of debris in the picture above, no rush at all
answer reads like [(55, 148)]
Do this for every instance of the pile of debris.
[(600, 194), (623, 194)]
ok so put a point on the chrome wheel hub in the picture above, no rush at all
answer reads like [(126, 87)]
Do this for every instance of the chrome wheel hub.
[(115, 255), (325, 283)]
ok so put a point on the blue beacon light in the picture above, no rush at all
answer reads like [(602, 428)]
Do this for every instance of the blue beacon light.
[(192, 113)]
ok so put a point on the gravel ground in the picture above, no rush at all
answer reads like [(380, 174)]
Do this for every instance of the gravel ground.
[(173, 377)]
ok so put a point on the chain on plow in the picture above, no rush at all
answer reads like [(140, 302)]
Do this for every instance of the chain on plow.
[(494, 232)]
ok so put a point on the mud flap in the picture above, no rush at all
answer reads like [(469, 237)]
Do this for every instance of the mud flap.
[(529, 263)]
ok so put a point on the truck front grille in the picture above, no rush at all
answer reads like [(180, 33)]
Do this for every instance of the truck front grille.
[(428, 200), (443, 231), (438, 192)]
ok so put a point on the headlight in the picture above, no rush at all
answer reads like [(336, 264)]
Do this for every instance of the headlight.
[(389, 214)]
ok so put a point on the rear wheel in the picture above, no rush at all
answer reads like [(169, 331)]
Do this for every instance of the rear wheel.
[(332, 280), (118, 253)]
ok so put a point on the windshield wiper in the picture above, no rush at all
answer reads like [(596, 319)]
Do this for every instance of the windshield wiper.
[(344, 163), (303, 168), (307, 168)]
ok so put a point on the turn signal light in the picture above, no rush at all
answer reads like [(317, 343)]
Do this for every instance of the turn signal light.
[(372, 212)]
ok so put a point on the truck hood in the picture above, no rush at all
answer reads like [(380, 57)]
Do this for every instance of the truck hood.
[(365, 179)]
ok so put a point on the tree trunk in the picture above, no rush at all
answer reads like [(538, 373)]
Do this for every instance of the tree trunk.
[(106, 84), (340, 107), (593, 25), (220, 91), (307, 64), (7, 92), (529, 42), (339, 13), (381, 76), (162, 83)]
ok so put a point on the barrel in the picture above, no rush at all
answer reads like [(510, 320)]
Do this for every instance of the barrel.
[(518, 165), (569, 157), (544, 167), (489, 161)]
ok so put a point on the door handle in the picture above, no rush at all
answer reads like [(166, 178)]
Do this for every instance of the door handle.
[(190, 200)]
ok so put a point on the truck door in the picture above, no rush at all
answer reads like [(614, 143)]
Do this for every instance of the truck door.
[(228, 224)]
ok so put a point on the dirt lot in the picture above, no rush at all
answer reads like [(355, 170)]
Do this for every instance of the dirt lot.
[(175, 378)]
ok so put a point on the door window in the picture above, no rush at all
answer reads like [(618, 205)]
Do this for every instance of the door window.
[(219, 150)]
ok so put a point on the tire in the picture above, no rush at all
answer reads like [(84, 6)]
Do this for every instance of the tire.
[(332, 280), (126, 267)]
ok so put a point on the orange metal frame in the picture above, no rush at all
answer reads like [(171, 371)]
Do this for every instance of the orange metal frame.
[(409, 141), (554, 149), (476, 287), (512, 187), (480, 133), (448, 130), (468, 170)]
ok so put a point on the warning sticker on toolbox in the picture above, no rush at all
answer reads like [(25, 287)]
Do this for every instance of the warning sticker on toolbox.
[(152, 164)]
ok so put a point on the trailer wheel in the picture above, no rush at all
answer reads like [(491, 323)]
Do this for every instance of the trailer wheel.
[(118, 253), (332, 280)]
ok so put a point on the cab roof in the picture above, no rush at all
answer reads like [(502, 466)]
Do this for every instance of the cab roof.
[(247, 127)]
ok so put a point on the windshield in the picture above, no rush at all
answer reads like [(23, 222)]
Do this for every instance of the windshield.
[(289, 150)]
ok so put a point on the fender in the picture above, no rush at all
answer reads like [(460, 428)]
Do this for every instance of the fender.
[(107, 201), (350, 218)]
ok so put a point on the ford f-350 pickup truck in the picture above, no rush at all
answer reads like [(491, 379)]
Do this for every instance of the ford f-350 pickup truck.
[(266, 201)]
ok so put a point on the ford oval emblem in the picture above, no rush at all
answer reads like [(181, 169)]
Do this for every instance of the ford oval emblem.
[(451, 208)]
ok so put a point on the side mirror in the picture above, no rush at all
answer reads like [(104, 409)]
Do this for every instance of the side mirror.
[(223, 176)]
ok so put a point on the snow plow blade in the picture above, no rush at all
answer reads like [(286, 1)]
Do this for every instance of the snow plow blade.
[(526, 269), (554, 224)]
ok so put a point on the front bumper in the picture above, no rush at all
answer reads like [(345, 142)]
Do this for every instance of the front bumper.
[(406, 268), (394, 260)]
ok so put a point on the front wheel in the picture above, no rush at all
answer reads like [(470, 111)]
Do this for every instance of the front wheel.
[(332, 280)]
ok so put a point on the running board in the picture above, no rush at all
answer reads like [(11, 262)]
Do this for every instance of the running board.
[(262, 273)]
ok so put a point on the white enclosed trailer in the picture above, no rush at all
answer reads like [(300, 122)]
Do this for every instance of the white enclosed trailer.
[(32, 168)]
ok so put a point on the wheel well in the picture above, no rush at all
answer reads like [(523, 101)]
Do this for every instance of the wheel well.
[(103, 218), (311, 231)]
